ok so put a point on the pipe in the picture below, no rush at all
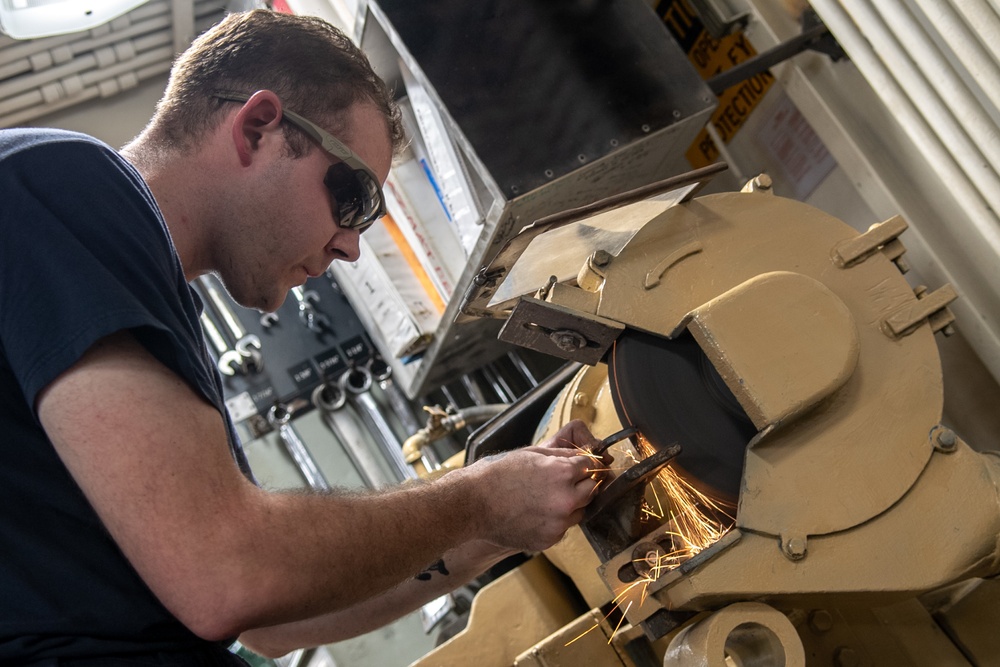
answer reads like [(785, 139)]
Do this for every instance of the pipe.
[(440, 425), (40, 108), (519, 364)]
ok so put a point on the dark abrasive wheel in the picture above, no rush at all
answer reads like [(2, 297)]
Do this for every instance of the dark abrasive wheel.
[(672, 393)]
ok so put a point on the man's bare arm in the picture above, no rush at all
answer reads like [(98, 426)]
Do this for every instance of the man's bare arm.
[(225, 556), (456, 568)]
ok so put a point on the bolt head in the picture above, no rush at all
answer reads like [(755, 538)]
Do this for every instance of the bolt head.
[(820, 621), (567, 340), (846, 656), (795, 548), (945, 440)]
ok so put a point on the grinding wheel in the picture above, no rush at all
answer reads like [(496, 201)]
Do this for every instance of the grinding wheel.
[(672, 393)]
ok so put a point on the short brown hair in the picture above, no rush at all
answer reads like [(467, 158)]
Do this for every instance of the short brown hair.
[(312, 66)]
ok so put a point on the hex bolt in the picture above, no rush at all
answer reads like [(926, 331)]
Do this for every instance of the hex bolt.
[(580, 399), (820, 621), (568, 340), (646, 558), (846, 656), (795, 548), (946, 440), (602, 258)]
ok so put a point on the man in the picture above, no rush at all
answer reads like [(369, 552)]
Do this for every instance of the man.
[(128, 527)]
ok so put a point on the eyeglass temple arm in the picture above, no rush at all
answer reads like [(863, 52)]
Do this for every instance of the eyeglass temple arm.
[(328, 142)]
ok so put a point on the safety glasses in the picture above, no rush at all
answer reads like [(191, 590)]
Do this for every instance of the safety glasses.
[(354, 187)]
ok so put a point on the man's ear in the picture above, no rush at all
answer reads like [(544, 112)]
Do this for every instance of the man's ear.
[(258, 120)]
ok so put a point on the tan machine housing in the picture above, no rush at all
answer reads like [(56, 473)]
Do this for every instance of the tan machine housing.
[(866, 531)]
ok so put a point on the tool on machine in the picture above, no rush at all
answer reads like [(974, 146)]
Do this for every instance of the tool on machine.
[(280, 416)]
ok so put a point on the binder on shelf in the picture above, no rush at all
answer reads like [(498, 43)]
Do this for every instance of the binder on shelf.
[(441, 163), (413, 205), (383, 285)]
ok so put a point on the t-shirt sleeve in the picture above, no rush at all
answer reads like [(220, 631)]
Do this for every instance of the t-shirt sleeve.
[(83, 254)]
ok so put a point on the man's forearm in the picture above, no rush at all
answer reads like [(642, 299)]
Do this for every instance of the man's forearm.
[(456, 568), (223, 555)]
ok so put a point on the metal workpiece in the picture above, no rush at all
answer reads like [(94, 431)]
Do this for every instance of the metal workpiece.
[(329, 398), (280, 418), (268, 320), (314, 320), (613, 518), (356, 384)]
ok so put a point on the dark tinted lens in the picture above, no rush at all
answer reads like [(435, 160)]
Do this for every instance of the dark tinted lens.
[(357, 195)]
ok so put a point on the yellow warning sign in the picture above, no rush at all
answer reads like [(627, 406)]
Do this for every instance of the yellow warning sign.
[(711, 56)]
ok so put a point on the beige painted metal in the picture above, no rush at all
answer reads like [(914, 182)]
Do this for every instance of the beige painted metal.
[(902, 635), (793, 315), (588, 640), (894, 399), (745, 633), (970, 617), (508, 616), (847, 510)]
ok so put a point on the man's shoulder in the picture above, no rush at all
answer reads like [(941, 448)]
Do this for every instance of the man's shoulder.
[(19, 140)]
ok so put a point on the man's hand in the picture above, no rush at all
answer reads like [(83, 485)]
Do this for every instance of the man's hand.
[(533, 495)]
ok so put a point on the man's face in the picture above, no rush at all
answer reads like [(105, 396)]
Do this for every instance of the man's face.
[(288, 230)]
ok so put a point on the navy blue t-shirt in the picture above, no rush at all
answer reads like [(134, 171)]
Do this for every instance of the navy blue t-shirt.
[(84, 252)]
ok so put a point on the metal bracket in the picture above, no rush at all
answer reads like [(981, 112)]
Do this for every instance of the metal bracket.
[(932, 307), (475, 302), (879, 236), (815, 36), (558, 331)]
